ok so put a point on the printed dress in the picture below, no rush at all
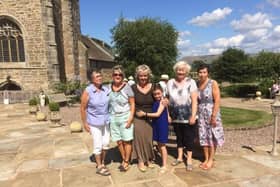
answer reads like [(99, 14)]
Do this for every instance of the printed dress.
[(208, 135)]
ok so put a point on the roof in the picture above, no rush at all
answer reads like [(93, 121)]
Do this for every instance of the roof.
[(96, 51)]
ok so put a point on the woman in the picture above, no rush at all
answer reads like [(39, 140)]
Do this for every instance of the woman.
[(182, 93), (95, 117), (210, 126), (143, 132), (121, 108)]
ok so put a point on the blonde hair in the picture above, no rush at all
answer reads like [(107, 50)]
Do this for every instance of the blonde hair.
[(182, 64), (143, 68)]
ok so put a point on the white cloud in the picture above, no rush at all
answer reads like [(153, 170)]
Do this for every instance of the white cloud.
[(233, 41), (184, 34), (183, 44), (277, 29), (252, 22), (275, 3), (207, 18)]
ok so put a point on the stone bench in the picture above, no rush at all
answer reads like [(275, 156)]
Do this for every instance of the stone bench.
[(59, 98)]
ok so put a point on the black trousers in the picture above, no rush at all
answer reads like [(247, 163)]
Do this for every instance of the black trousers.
[(185, 135)]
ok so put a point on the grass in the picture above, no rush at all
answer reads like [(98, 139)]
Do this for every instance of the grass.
[(238, 118)]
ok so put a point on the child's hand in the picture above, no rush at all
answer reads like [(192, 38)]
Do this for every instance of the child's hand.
[(140, 113)]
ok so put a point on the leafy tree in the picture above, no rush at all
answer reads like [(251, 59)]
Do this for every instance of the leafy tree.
[(267, 65), (232, 66), (145, 41)]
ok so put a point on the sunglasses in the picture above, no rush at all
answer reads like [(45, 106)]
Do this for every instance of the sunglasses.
[(117, 74)]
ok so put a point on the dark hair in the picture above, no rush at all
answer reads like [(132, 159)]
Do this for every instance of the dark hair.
[(203, 66), (157, 87)]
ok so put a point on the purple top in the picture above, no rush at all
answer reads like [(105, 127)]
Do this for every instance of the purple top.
[(98, 105)]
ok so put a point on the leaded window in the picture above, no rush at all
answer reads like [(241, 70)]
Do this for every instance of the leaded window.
[(11, 42)]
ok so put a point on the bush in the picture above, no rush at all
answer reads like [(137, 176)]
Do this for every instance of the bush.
[(239, 90), (54, 106), (33, 101), (264, 85)]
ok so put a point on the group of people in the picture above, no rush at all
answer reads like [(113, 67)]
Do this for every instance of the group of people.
[(135, 116)]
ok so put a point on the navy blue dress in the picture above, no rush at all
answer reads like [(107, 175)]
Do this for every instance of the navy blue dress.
[(160, 124)]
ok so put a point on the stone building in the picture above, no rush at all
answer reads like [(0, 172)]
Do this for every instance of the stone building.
[(40, 44)]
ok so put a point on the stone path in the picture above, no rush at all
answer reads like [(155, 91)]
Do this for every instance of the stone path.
[(32, 154)]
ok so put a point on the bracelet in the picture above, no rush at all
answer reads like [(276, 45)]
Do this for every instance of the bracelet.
[(146, 115)]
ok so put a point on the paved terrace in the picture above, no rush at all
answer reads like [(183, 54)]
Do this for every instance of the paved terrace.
[(32, 154)]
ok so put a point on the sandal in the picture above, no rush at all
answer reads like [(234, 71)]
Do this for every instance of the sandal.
[(103, 171), (142, 169), (176, 162), (189, 167), (162, 170), (125, 166)]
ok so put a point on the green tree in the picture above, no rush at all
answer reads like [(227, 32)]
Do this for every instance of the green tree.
[(145, 41), (267, 65), (232, 66)]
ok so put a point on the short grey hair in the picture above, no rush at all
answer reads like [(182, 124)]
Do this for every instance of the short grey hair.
[(143, 68), (182, 64)]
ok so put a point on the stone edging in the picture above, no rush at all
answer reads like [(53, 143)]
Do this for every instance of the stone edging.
[(248, 128)]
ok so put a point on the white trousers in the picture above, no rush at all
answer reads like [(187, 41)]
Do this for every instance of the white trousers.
[(101, 138)]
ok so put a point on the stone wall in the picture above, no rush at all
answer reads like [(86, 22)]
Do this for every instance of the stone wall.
[(28, 16)]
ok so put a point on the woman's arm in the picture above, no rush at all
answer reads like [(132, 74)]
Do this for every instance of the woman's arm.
[(194, 108), (131, 101), (216, 98), (83, 108)]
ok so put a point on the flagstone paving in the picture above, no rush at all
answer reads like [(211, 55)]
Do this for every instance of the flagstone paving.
[(33, 154)]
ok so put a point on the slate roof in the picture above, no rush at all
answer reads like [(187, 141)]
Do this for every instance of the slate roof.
[(96, 50)]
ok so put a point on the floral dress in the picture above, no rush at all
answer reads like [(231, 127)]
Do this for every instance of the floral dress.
[(208, 135)]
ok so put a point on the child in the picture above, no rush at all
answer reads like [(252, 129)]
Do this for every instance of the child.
[(159, 123)]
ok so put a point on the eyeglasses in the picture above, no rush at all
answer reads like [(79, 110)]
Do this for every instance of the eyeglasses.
[(117, 74)]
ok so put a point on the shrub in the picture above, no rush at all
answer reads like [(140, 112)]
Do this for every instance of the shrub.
[(264, 86), (33, 101), (239, 90), (54, 106)]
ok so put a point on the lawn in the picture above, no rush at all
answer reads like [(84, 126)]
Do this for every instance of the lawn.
[(237, 118)]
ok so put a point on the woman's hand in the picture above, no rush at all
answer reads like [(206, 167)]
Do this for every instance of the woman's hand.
[(213, 121), (192, 120), (140, 113), (87, 128), (128, 124)]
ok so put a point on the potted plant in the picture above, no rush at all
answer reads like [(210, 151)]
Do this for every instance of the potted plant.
[(33, 108), (54, 114)]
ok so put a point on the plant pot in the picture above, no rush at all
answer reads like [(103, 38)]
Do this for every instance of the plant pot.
[(33, 109), (55, 119)]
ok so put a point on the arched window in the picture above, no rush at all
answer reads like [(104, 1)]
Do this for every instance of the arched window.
[(11, 42)]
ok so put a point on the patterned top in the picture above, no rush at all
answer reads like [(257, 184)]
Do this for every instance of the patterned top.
[(180, 99)]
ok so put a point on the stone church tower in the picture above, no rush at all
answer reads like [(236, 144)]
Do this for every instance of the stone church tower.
[(39, 43)]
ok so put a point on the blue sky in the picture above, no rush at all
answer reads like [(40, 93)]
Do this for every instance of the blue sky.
[(205, 26)]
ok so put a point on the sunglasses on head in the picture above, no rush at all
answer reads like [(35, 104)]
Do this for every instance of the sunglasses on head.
[(117, 74)]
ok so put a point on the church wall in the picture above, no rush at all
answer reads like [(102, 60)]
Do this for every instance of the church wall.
[(31, 74)]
